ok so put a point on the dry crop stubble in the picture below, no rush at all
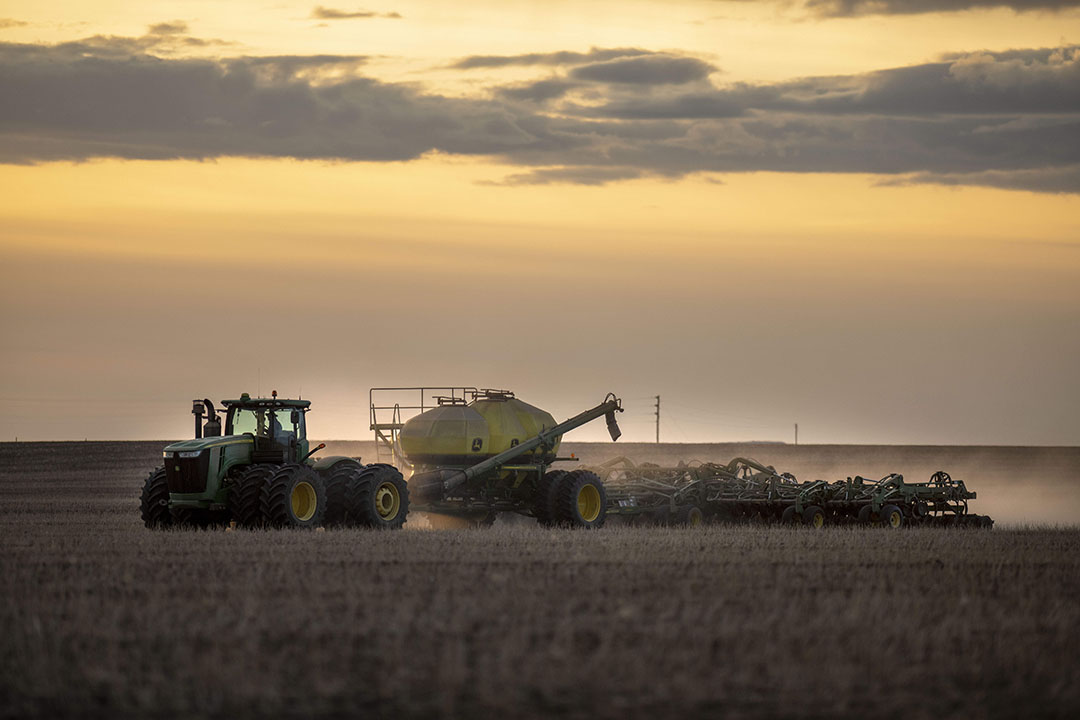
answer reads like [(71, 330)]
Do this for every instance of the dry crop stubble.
[(101, 617)]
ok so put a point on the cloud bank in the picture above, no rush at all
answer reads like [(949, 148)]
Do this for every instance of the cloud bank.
[(1009, 119)]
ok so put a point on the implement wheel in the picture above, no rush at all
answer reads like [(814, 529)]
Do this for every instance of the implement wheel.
[(245, 497), (377, 497), (294, 497), (581, 500), (154, 501), (891, 517), (814, 517), (790, 516), (544, 502), (866, 515), (691, 516), (337, 478)]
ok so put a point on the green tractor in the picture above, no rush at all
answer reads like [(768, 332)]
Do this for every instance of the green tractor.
[(260, 473)]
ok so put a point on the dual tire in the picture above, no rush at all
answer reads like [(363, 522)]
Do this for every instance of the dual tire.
[(571, 499), (295, 495)]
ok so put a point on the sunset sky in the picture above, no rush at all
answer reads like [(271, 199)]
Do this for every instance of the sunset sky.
[(862, 216)]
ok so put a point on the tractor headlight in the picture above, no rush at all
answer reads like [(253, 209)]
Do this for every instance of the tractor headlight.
[(191, 454)]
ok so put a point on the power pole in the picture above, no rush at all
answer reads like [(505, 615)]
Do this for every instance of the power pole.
[(657, 419), (796, 433)]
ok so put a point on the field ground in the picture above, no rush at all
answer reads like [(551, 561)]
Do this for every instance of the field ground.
[(102, 618)]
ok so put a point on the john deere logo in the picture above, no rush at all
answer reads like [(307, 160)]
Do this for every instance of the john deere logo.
[(477, 443)]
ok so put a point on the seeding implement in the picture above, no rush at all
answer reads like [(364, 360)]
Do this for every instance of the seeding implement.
[(473, 453), (746, 490)]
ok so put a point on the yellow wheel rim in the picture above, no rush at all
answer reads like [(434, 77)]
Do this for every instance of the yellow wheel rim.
[(894, 519), (304, 501), (695, 518), (818, 520), (588, 502), (387, 501)]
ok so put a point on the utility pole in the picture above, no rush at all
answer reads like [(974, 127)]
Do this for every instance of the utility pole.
[(796, 433), (657, 419)]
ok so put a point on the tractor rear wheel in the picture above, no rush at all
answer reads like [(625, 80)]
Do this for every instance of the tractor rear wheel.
[(891, 517), (154, 501), (337, 478), (546, 490), (581, 500), (245, 497), (813, 516), (294, 497), (378, 497)]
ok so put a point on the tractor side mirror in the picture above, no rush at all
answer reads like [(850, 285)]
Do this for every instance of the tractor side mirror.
[(295, 417)]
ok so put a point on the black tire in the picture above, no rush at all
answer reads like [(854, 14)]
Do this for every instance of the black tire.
[(337, 478), (154, 501), (691, 516), (814, 517), (378, 497), (544, 502), (294, 497), (581, 501), (866, 515), (245, 497), (892, 517), (191, 518), (790, 516)]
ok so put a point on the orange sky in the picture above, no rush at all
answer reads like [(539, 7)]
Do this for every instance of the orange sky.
[(852, 272)]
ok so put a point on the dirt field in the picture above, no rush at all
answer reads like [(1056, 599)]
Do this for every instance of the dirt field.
[(101, 618)]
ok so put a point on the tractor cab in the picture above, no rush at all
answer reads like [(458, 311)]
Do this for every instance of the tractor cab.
[(276, 427)]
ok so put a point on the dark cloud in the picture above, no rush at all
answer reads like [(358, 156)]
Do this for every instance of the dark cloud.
[(325, 13), (555, 58), (999, 119), (645, 70), (539, 91), (854, 8), (1049, 180), (6, 23)]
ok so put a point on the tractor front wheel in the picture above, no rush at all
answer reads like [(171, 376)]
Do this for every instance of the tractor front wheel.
[(294, 497), (154, 501), (581, 500), (245, 496), (377, 497)]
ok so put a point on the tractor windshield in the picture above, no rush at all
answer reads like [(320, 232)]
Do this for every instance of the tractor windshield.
[(264, 422)]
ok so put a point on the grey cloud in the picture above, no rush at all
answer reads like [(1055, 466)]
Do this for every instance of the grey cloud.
[(574, 175), (6, 23), (645, 70), (1006, 119), (1061, 180), (539, 91), (855, 8), (325, 13), (176, 27), (555, 58)]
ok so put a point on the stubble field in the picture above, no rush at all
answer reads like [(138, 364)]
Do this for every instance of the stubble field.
[(102, 618)]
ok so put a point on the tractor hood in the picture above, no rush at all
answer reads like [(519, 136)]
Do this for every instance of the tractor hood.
[(204, 443)]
